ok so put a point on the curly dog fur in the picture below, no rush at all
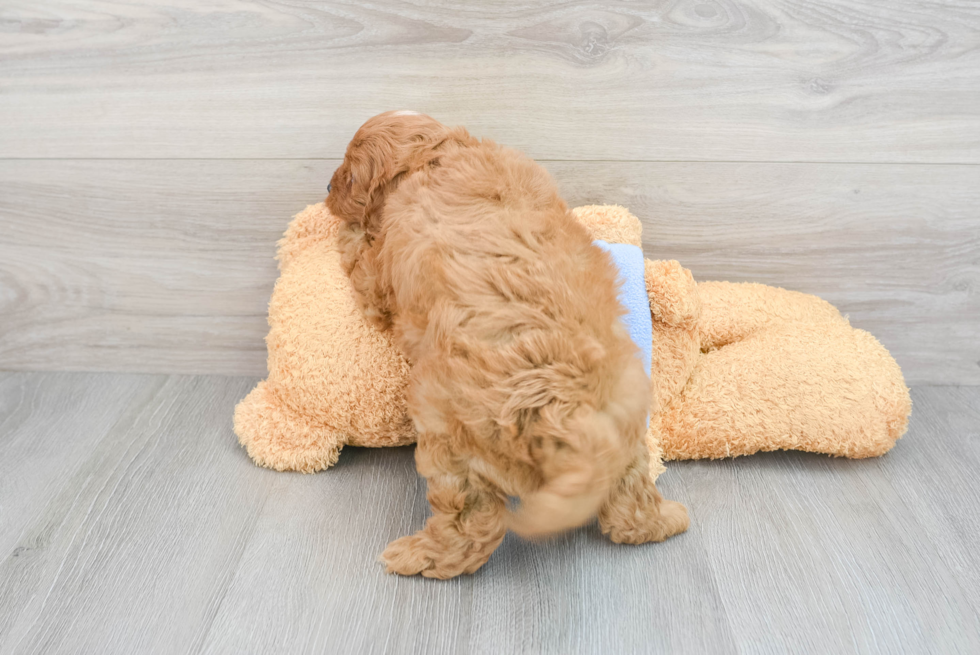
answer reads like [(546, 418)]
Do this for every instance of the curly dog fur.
[(524, 381)]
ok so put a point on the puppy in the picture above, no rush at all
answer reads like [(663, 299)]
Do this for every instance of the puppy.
[(524, 383)]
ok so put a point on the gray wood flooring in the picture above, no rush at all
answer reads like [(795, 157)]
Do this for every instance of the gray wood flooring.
[(131, 521)]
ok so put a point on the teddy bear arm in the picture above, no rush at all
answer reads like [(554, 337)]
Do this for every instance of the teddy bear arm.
[(674, 297), (734, 311), (824, 388), (675, 309)]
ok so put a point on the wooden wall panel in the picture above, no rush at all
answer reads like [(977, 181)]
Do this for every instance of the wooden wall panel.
[(688, 80), (167, 266)]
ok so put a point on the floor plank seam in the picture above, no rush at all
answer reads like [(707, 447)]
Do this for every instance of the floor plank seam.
[(794, 162), (233, 572)]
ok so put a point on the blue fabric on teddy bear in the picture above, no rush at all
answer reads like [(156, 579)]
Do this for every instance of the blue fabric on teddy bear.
[(633, 296)]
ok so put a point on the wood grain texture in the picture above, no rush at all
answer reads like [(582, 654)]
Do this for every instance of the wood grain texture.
[(829, 146), (144, 266), (166, 266), (315, 559), (163, 536), (134, 548), (845, 550), (691, 80), (36, 465), (895, 248)]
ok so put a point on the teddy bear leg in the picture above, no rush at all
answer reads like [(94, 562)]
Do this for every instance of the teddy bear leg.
[(636, 513), (278, 437), (467, 522)]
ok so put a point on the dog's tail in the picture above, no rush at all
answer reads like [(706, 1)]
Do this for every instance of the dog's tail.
[(553, 509), (562, 504), (580, 469)]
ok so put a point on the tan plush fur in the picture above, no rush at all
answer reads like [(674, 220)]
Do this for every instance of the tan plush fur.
[(524, 381), (333, 378), (755, 368), (739, 368), (747, 368)]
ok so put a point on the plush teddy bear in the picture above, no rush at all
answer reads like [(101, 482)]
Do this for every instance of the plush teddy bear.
[(737, 368), (744, 368)]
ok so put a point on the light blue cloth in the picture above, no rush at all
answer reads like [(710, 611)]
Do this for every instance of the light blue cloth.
[(633, 296)]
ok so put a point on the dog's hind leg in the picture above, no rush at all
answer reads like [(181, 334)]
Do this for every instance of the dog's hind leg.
[(467, 522), (635, 512)]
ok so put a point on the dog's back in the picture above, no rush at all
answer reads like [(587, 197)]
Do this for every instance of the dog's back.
[(510, 315), (525, 382)]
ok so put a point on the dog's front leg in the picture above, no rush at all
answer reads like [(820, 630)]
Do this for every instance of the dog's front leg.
[(467, 522)]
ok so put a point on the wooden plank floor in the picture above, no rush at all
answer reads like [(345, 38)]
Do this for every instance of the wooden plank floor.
[(131, 521)]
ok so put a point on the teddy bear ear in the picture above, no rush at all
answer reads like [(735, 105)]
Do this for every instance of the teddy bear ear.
[(610, 223), (674, 297)]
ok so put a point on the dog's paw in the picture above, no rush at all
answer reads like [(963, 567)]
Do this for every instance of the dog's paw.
[(670, 519), (674, 518), (406, 556), (420, 554)]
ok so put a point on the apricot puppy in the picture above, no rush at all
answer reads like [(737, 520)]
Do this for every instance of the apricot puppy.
[(524, 382)]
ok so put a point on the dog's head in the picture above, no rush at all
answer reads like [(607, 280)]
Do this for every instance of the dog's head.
[(386, 148)]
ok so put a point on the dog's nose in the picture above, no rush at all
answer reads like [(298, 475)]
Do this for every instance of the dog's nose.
[(328, 188)]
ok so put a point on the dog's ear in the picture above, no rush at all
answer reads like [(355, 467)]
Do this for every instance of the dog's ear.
[(395, 146), (371, 163)]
